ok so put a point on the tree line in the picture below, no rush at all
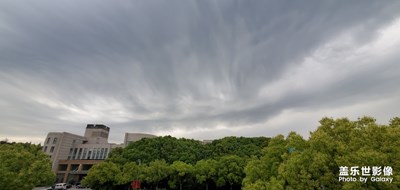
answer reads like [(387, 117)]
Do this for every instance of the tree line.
[(290, 162), (168, 162), (281, 162)]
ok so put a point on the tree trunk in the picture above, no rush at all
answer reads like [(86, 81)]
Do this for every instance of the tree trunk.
[(206, 186)]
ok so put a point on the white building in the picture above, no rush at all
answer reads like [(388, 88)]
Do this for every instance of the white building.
[(73, 155), (132, 137)]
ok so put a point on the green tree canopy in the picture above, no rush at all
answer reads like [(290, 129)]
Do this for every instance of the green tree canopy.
[(24, 166), (156, 172), (314, 164), (165, 148), (290, 162), (230, 171), (206, 171), (103, 176), (240, 146), (180, 173)]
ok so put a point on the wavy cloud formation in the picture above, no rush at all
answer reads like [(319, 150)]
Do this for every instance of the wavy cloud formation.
[(195, 69)]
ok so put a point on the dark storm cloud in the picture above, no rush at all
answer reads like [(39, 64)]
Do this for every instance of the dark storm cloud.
[(157, 65)]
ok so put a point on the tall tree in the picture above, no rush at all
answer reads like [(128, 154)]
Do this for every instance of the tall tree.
[(102, 176), (24, 166), (180, 173), (230, 171), (206, 171), (156, 172), (130, 171)]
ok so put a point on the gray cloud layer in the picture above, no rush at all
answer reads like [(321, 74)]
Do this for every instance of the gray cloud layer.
[(201, 69)]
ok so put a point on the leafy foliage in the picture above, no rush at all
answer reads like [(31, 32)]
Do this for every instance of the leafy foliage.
[(103, 176), (205, 171), (180, 173), (315, 163), (165, 148), (290, 162), (230, 171), (240, 146), (24, 166)]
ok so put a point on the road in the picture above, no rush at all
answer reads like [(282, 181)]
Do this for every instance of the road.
[(72, 188)]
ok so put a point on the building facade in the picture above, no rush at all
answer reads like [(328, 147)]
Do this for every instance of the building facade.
[(132, 137), (73, 155)]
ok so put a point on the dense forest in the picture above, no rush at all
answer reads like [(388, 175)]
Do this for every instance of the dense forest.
[(177, 163), (337, 147), (24, 166)]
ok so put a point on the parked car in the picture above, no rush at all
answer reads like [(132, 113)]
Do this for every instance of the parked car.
[(79, 186), (60, 186)]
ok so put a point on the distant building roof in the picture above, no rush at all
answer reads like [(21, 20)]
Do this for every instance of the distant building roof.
[(97, 126)]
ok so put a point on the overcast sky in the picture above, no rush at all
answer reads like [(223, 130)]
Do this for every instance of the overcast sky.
[(195, 69)]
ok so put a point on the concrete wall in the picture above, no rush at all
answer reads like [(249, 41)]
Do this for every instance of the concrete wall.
[(132, 137)]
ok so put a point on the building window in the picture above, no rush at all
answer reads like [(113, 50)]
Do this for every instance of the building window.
[(62, 167), (94, 153), (74, 156), (45, 149), (54, 140), (79, 154), (106, 153), (84, 153), (51, 149), (86, 167), (102, 153), (98, 154), (74, 167), (70, 153), (48, 140), (89, 155)]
